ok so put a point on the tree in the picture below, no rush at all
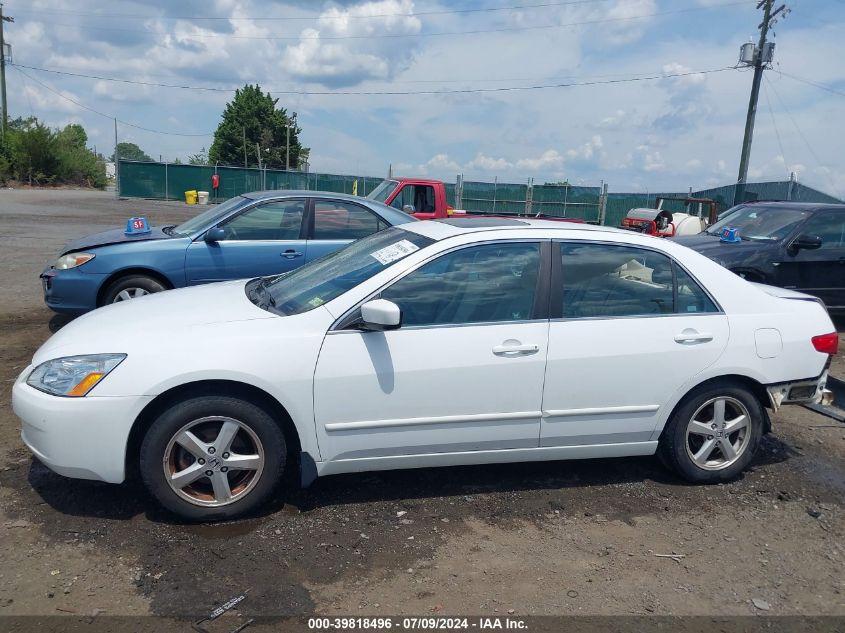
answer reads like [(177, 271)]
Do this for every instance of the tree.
[(251, 119), (32, 146), (73, 135), (32, 152), (130, 151), (200, 158), (75, 162)]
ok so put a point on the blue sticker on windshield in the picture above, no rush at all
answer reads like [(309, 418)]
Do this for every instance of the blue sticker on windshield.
[(730, 234), (137, 226)]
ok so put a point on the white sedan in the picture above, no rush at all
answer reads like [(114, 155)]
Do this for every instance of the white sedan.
[(462, 341)]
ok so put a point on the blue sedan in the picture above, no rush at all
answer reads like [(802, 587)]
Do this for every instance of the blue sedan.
[(256, 234)]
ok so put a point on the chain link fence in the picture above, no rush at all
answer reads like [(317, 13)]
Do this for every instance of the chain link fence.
[(170, 182)]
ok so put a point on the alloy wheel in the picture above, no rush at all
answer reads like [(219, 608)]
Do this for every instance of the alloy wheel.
[(130, 293), (213, 461), (718, 433)]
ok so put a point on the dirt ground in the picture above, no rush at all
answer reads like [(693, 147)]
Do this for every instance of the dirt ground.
[(583, 537)]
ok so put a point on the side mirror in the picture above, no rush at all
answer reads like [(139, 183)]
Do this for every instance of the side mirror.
[(215, 235), (409, 209), (805, 241), (380, 315)]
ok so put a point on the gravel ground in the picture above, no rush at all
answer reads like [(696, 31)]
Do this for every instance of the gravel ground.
[(600, 537)]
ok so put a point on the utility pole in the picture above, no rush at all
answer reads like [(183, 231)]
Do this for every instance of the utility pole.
[(3, 18), (759, 58), (116, 164), (244, 131), (292, 119)]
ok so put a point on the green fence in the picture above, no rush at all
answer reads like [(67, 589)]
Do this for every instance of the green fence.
[(170, 182)]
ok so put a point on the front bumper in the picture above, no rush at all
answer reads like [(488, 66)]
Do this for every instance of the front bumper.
[(70, 291), (83, 438)]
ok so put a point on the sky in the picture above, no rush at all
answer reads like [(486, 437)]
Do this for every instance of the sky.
[(651, 99)]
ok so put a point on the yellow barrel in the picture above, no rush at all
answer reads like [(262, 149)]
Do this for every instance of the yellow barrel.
[(191, 197)]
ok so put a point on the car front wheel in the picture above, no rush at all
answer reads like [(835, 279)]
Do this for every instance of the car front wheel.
[(212, 457), (131, 287), (713, 434)]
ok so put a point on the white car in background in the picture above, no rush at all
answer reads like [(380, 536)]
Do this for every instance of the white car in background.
[(462, 341)]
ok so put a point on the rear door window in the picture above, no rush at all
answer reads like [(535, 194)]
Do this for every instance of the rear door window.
[(609, 280), (336, 220)]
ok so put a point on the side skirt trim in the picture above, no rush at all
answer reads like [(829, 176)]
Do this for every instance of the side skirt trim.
[(503, 456)]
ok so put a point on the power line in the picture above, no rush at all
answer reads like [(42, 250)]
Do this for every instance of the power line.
[(518, 7), (318, 36), (812, 83), (775, 125), (394, 92), (804, 138), (103, 114)]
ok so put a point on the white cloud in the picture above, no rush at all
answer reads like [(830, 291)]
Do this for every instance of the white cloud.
[(587, 150), (488, 163), (367, 55), (628, 27), (442, 162), (41, 99), (550, 159), (613, 121)]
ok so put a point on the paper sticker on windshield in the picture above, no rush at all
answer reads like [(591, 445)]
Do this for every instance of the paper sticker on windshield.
[(390, 254), (316, 302)]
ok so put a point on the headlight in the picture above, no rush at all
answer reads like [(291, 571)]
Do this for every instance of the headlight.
[(73, 376), (72, 260)]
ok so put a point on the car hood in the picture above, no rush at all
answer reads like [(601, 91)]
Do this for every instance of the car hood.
[(714, 248), (113, 236), (158, 317)]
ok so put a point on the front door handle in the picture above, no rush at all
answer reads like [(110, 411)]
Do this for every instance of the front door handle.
[(690, 336), (515, 349), (290, 254)]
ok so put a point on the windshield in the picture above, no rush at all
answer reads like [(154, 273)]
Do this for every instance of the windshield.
[(324, 279), (383, 191), (759, 223), (207, 217)]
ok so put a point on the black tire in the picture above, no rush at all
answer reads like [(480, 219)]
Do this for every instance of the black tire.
[(255, 424), (674, 449), (130, 283)]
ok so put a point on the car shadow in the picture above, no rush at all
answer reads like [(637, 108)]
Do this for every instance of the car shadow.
[(58, 321), (89, 499)]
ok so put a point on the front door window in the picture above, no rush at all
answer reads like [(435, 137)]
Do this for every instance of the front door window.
[(482, 284)]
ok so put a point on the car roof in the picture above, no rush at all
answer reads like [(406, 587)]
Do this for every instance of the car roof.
[(800, 206), (301, 193), (442, 229), (391, 215), (424, 181)]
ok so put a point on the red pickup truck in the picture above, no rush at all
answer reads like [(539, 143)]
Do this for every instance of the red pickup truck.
[(426, 199)]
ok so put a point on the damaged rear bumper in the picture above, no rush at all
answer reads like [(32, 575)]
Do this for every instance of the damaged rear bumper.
[(812, 391)]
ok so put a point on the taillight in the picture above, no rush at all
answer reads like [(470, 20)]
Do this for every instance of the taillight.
[(826, 343)]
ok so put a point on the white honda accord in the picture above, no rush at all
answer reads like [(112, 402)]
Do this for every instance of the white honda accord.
[(428, 344)]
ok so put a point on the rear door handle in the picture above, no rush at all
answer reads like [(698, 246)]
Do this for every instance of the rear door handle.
[(515, 350), (689, 336), (290, 254)]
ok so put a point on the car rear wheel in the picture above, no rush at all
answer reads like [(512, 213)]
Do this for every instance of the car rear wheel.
[(212, 457), (131, 287), (713, 434)]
